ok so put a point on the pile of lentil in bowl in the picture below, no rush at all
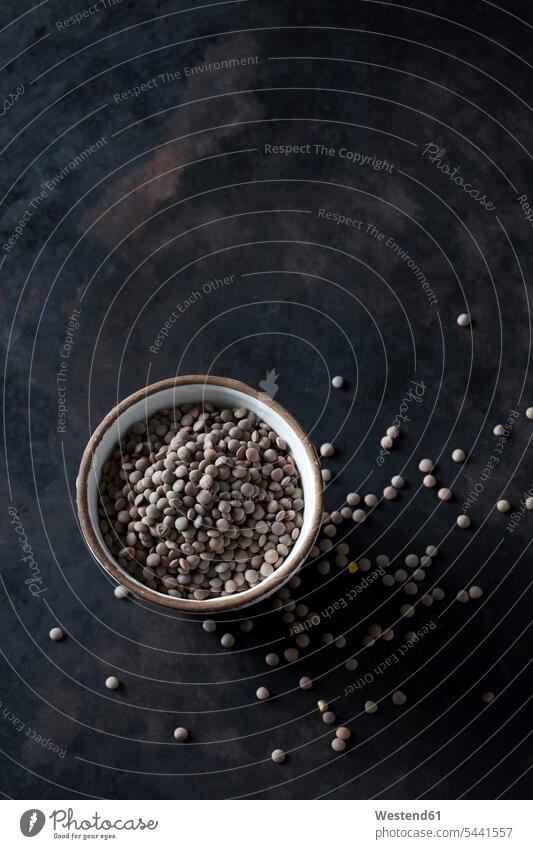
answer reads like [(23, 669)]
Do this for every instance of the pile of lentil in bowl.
[(198, 502)]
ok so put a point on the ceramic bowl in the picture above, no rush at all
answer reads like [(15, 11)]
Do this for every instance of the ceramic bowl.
[(223, 393)]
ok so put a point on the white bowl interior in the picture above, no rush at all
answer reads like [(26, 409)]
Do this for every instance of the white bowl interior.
[(222, 397)]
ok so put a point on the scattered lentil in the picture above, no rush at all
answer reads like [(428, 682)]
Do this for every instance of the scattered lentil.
[(338, 745), (343, 733), (56, 634), (463, 320), (278, 756), (305, 682), (464, 521), (503, 506), (181, 734), (183, 496), (227, 641), (399, 698), (337, 382), (291, 655), (262, 693), (353, 499), (112, 682)]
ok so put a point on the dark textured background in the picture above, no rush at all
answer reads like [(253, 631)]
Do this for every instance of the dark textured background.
[(180, 193)]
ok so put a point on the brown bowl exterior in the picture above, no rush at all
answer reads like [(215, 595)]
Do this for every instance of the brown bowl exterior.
[(220, 604)]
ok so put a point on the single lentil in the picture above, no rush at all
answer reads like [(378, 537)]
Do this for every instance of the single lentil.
[(503, 506)]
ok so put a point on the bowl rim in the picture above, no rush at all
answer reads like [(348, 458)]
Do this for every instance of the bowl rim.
[(219, 604)]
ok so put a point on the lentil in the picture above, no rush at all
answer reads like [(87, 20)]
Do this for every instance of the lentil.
[(343, 733), (399, 698)]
